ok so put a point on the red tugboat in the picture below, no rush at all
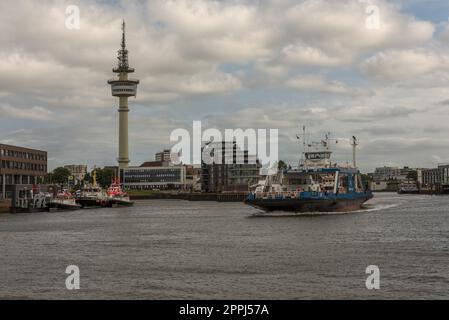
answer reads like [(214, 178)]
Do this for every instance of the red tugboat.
[(117, 197), (64, 200)]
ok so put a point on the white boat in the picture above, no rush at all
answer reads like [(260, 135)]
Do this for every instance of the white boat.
[(408, 187), (64, 200)]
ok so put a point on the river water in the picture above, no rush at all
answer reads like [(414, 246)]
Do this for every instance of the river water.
[(170, 249)]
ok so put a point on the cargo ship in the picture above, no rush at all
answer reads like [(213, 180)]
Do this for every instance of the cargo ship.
[(316, 185)]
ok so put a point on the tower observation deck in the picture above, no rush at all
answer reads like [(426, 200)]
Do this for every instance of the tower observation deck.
[(123, 87)]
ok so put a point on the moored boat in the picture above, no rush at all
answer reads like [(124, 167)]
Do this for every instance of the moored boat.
[(64, 200), (117, 197), (92, 195), (408, 187)]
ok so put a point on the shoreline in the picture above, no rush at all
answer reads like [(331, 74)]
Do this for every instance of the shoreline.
[(217, 197)]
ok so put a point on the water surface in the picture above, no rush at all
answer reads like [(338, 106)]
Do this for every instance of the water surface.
[(170, 249)]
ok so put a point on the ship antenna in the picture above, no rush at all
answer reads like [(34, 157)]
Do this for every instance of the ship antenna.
[(304, 142), (328, 138), (354, 144)]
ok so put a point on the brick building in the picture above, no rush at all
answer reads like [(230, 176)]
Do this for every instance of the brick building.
[(20, 166)]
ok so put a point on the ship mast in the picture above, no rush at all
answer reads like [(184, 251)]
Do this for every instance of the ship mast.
[(94, 177), (304, 143), (354, 144)]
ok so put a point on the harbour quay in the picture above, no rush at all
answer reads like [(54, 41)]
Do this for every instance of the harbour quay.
[(197, 196), (4, 206)]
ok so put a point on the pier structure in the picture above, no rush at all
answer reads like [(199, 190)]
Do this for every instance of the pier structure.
[(123, 88)]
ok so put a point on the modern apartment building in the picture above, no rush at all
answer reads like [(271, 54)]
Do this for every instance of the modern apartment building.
[(228, 169), (163, 156)]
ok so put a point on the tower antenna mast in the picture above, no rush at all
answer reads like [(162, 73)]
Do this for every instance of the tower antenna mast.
[(123, 88)]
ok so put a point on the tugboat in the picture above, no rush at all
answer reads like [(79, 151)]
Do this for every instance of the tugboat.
[(64, 200), (317, 185), (92, 195), (117, 197)]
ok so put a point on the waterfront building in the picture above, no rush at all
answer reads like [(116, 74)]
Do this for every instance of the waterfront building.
[(161, 159), (386, 173), (443, 168), (163, 156), (78, 172), (152, 164), (193, 179), (444, 173), (389, 178), (430, 177), (436, 179), (232, 169), (157, 177), (123, 88), (20, 165), (379, 185), (404, 173)]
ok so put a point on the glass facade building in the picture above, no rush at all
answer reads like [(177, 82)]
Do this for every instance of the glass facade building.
[(147, 178)]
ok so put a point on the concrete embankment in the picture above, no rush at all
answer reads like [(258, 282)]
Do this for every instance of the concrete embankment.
[(428, 192), (219, 197), (4, 206)]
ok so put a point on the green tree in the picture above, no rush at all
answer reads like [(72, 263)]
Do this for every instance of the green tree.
[(282, 165), (48, 178), (60, 175), (87, 178), (366, 180), (104, 177), (412, 175)]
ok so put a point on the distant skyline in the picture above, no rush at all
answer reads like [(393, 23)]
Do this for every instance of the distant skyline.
[(231, 64)]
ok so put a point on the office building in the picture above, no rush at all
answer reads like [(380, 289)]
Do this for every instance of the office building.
[(151, 178), (163, 156), (231, 170), (20, 165)]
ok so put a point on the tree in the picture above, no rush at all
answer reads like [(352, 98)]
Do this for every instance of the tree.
[(366, 180), (60, 175), (412, 175), (104, 177), (87, 178), (282, 165)]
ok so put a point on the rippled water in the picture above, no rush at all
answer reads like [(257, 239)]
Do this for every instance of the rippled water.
[(164, 249)]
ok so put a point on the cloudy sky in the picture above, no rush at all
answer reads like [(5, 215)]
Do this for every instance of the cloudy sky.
[(231, 64)]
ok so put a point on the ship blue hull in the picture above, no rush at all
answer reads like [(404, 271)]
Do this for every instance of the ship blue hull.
[(307, 203)]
